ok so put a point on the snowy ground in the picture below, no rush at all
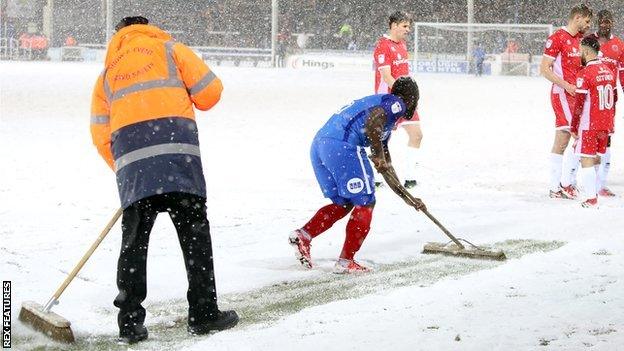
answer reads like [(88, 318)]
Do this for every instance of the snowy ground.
[(485, 177)]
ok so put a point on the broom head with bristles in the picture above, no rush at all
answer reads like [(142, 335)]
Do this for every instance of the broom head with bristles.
[(471, 252), (49, 323)]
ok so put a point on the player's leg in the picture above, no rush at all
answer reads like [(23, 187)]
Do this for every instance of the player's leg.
[(355, 184), (589, 145), (357, 230), (588, 177), (327, 215), (571, 161), (603, 171), (326, 165), (570, 167), (562, 138), (561, 107), (415, 135)]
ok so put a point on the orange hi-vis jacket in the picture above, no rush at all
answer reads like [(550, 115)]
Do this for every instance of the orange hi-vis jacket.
[(142, 118)]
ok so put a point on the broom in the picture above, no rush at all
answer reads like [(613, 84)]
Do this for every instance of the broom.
[(456, 248), (41, 318)]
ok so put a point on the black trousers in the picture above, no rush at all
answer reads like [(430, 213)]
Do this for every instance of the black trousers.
[(188, 213)]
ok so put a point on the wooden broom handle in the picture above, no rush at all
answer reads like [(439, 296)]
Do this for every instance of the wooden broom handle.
[(411, 199), (446, 231), (86, 256)]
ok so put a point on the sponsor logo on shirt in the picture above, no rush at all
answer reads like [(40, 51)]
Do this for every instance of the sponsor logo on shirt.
[(548, 43), (355, 185), (396, 107), (574, 53), (400, 61), (381, 58), (579, 82)]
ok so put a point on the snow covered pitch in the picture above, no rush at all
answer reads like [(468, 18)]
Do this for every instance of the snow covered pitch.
[(485, 154)]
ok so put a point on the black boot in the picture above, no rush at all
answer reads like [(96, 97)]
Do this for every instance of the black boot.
[(225, 320), (133, 334)]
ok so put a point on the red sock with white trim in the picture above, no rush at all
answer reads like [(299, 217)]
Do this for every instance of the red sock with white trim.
[(357, 229), (324, 219)]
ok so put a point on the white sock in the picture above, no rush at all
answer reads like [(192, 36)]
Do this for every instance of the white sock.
[(571, 164), (412, 158), (588, 176), (555, 171), (603, 169)]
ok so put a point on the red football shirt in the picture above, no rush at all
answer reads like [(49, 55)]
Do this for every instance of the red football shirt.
[(595, 98), (393, 54), (564, 49), (612, 54)]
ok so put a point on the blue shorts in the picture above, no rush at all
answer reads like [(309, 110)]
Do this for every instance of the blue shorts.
[(343, 172)]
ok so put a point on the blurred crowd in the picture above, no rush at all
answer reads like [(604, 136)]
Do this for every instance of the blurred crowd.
[(311, 24), (368, 19)]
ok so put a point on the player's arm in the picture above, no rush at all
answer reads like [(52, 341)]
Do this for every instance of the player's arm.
[(374, 132), (621, 74), (382, 55), (547, 72), (386, 75), (380, 157), (581, 93), (389, 159), (387, 151)]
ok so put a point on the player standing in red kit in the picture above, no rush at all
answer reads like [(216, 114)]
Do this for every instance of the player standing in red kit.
[(611, 54), (560, 64), (592, 121), (390, 63)]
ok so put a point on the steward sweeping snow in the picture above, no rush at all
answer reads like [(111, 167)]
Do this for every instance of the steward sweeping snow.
[(143, 125)]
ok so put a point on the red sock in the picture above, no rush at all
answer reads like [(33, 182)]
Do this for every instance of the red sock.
[(357, 229), (324, 219)]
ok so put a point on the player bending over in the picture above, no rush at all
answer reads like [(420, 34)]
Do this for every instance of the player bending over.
[(345, 175)]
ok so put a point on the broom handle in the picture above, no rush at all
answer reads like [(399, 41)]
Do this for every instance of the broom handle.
[(83, 260), (451, 236), (409, 196)]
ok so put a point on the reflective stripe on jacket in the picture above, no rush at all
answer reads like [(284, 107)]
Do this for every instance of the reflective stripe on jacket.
[(142, 118)]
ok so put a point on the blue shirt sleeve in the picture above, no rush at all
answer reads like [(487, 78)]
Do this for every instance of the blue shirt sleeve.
[(393, 106)]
